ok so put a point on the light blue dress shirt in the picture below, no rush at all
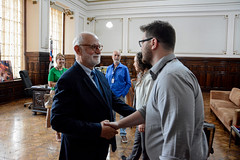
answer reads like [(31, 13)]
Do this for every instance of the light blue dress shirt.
[(174, 113)]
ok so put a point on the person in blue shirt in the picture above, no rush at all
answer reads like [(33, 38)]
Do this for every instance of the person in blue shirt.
[(119, 80)]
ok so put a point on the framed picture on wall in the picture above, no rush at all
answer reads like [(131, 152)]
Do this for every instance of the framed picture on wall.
[(5, 71)]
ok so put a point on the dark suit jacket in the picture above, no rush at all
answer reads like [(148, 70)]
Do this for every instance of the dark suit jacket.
[(77, 110)]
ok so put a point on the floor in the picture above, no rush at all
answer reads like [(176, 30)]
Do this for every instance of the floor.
[(23, 136)]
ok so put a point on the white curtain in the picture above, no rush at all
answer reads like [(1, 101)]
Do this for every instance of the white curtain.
[(56, 31), (11, 34)]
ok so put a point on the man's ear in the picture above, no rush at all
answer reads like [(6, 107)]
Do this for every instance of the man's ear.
[(154, 43), (77, 49)]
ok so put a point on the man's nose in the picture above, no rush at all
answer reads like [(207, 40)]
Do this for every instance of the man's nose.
[(98, 51)]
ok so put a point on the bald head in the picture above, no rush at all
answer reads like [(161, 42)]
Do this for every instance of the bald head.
[(83, 38), (87, 49), (116, 57)]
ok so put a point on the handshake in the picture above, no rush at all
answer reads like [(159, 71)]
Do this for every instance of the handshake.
[(109, 129)]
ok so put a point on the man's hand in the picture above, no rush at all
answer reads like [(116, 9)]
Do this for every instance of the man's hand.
[(112, 124), (107, 131), (141, 128)]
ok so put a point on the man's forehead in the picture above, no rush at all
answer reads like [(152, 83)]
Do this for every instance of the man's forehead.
[(116, 53), (91, 38)]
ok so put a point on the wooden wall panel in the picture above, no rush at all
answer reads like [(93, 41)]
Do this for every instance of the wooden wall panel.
[(234, 73), (212, 73), (126, 60), (106, 61), (37, 64), (11, 90), (69, 60)]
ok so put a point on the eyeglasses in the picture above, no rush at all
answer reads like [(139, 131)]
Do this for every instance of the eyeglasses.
[(94, 46), (141, 41)]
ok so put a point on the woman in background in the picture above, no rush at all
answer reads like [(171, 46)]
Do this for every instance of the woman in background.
[(54, 74), (142, 90)]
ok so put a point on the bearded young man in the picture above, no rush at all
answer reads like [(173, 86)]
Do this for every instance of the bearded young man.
[(174, 113)]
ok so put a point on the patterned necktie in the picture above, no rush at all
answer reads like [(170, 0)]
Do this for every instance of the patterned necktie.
[(93, 74)]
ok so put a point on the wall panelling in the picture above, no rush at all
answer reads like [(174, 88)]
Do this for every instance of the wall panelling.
[(194, 34), (69, 60), (11, 90), (126, 60), (236, 47), (212, 73), (37, 64)]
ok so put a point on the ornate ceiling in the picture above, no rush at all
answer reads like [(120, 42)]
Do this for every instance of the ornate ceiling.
[(108, 1)]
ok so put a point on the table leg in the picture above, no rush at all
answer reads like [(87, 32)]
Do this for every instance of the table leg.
[(230, 138)]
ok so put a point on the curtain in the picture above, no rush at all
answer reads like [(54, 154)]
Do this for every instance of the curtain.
[(11, 34), (56, 31)]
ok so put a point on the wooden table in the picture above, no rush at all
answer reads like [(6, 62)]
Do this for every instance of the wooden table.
[(38, 98)]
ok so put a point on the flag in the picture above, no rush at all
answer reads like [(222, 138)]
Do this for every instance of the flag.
[(51, 64), (51, 50)]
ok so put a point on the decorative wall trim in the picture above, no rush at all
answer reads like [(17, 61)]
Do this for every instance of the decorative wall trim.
[(195, 34), (114, 39), (44, 24), (236, 44)]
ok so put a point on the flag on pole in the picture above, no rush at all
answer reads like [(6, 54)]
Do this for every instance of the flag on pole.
[(51, 64), (51, 50)]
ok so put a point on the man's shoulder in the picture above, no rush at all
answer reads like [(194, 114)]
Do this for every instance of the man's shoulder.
[(122, 65), (110, 66), (72, 69)]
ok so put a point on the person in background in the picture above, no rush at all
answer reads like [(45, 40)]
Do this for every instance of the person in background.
[(174, 114), (83, 101), (54, 74), (119, 80), (142, 90)]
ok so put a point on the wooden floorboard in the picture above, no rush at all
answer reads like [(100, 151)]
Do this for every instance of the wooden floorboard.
[(23, 136)]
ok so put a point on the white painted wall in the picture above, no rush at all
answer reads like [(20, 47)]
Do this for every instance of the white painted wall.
[(32, 27), (69, 34), (205, 28)]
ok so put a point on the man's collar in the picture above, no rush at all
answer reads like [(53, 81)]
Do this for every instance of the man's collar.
[(119, 65), (154, 71), (86, 69)]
